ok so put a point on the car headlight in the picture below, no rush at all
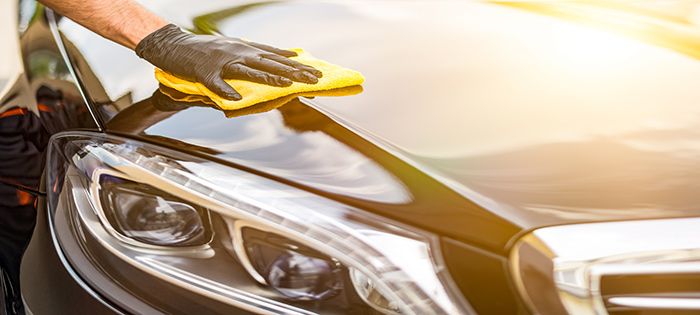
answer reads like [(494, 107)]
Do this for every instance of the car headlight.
[(232, 236), (628, 267)]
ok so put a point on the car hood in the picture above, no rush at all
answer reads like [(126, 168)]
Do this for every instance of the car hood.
[(474, 117)]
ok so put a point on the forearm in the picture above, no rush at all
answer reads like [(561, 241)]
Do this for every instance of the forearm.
[(209, 60), (123, 21)]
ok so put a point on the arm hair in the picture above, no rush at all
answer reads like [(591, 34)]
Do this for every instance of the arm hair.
[(122, 21)]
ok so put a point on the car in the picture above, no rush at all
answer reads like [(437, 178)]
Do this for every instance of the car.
[(501, 158)]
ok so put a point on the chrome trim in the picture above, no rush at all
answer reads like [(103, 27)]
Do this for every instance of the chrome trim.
[(656, 302), (582, 254), (53, 27), (27, 309), (235, 228)]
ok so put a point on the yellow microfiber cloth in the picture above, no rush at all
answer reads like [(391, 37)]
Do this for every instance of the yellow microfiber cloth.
[(253, 93), (199, 100)]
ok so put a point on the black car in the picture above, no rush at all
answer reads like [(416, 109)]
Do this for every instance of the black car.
[(501, 158)]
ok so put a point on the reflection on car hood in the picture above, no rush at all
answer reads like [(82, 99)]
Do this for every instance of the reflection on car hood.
[(536, 119)]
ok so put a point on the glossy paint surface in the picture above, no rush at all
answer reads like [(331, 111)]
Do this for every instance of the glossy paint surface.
[(549, 119), (476, 120)]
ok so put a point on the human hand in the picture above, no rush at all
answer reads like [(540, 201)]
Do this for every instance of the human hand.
[(210, 59)]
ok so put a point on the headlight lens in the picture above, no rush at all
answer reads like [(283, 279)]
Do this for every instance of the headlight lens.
[(292, 269), (182, 218), (150, 216)]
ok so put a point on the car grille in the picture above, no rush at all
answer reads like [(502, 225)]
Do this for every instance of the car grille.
[(623, 267), (676, 293)]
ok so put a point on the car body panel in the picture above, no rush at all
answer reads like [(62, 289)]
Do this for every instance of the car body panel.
[(519, 133), (458, 108), (453, 131)]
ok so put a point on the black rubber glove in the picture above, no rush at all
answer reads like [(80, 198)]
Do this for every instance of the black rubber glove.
[(210, 59)]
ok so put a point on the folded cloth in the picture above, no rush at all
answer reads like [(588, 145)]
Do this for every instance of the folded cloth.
[(181, 99), (253, 93)]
